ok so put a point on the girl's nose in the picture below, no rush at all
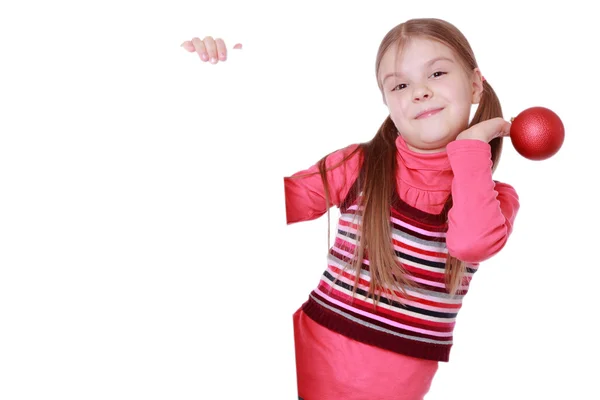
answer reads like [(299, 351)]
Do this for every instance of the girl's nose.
[(421, 93)]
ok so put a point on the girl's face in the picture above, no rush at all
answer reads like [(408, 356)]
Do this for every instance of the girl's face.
[(428, 77)]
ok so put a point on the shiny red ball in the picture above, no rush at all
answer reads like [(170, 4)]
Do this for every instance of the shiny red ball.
[(537, 133)]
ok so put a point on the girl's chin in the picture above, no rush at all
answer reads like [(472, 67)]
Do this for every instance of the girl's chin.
[(435, 141), (422, 147)]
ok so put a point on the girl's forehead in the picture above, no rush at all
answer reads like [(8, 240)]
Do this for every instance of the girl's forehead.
[(414, 55), (417, 51)]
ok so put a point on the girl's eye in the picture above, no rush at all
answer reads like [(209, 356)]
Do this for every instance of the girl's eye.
[(401, 86), (436, 74)]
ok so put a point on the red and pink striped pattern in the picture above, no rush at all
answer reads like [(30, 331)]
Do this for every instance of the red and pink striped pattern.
[(422, 325)]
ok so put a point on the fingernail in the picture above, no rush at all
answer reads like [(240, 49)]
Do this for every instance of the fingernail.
[(222, 56), (213, 60), (204, 57)]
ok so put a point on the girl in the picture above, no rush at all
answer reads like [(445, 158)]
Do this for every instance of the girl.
[(419, 212)]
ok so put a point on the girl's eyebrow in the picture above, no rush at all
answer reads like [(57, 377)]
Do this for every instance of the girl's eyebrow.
[(427, 64)]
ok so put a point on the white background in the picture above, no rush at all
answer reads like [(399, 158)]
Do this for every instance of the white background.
[(143, 247)]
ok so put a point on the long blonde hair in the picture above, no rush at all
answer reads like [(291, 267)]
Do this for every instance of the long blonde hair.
[(378, 170)]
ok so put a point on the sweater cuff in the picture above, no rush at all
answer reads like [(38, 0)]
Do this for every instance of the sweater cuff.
[(469, 155), (468, 145)]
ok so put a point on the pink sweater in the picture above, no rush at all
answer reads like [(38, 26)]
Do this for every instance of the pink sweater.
[(480, 220), (477, 227)]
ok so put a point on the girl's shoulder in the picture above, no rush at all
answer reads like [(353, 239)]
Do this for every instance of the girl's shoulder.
[(352, 151)]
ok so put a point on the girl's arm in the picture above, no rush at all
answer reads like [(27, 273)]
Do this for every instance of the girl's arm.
[(305, 196), (483, 211)]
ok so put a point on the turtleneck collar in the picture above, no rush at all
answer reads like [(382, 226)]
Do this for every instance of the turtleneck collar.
[(426, 171)]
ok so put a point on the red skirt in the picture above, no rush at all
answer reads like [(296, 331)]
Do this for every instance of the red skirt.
[(330, 366)]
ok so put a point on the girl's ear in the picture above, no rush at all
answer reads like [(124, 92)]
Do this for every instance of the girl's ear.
[(477, 84)]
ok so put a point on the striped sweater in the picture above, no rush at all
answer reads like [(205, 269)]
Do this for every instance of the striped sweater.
[(421, 326), (475, 228)]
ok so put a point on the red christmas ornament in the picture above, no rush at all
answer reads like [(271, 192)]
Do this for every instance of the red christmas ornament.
[(537, 133)]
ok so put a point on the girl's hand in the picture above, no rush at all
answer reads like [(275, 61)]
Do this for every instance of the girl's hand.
[(209, 49), (487, 130)]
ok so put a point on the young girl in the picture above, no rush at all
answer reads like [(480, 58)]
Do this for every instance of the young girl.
[(419, 212)]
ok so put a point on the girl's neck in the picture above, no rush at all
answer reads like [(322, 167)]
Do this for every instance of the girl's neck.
[(424, 151), (420, 150), (423, 174), (422, 159)]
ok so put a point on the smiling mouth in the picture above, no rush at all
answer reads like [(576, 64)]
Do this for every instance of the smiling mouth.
[(429, 113)]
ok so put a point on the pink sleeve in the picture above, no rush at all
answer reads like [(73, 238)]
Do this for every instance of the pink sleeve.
[(305, 196), (483, 211)]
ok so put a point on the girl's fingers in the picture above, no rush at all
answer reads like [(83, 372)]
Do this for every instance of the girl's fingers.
[(504, 130), (187, 45), (221, 49), (502, 127), (200, 48), (211, 49)]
